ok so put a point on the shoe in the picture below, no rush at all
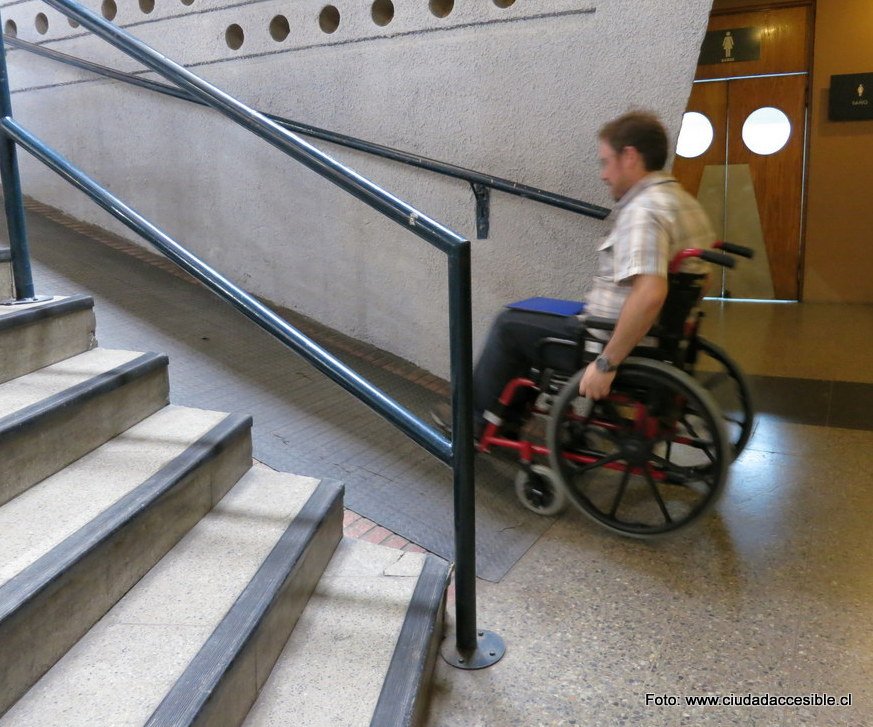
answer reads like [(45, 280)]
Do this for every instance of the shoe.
[(441, 416)]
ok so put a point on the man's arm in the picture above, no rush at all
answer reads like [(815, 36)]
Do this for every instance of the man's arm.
[(638, 314)]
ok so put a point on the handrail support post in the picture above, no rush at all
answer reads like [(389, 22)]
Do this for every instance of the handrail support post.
[(13, 199), (473, 648)]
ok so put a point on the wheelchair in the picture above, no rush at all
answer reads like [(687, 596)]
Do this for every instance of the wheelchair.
[(652, 457)]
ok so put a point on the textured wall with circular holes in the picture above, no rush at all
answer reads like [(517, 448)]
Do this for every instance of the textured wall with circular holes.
[(515, 89)]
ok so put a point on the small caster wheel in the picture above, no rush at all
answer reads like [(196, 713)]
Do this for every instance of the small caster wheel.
[(539, 491)]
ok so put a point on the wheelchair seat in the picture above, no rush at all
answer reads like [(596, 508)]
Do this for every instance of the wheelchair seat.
[(566, 356)]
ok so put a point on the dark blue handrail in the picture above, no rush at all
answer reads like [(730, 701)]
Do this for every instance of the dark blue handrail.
[(249, 306), (459, 452), (258, 124), (386, 152), (12, 200)]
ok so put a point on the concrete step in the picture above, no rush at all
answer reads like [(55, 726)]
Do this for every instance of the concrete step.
[(53, 416), (79, 540), (364, 649), (39, 334), (210, 618), (139, 585)]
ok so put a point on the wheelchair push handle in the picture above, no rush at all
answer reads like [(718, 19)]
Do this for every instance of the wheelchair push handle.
[(711, 256), (735, 249), (718, 258)]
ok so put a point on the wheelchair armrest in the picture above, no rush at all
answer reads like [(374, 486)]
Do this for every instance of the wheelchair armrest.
[(544, 343), (601, 324), (557, 355)]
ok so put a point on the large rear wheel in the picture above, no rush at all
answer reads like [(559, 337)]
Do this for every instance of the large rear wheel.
[(720, 375), (650, 459)]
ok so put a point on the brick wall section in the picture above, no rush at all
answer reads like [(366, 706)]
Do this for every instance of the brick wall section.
[(359, 527)]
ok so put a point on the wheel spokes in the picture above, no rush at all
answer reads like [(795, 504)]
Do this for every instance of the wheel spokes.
[(697, 441), (648, 459), (653, 486), (620, 495)]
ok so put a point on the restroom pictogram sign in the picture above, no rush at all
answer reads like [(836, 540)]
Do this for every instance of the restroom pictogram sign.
[(730, 46), (851, 97)]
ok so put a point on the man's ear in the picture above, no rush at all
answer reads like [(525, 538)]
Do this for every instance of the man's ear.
[(633, 157)]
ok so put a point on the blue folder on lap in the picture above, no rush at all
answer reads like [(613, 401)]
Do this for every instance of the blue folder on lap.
[(555, 306)]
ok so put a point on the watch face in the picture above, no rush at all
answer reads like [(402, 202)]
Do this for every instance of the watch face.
[(602, 364)]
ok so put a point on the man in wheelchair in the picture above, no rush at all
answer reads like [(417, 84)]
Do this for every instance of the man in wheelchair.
[(652, 220), (643, 449)]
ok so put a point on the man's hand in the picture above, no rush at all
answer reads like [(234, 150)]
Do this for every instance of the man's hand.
[(596, 384), (638, 314)]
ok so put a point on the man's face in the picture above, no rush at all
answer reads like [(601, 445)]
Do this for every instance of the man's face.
[(615, 169)]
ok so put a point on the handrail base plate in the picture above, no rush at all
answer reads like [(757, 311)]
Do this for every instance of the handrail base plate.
[(490, 649), (26, 301)]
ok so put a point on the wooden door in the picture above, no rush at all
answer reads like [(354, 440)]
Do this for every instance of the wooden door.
[(777, 177), (753, 198)]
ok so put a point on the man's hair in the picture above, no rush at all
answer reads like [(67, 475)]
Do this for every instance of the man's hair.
[(642, 130)]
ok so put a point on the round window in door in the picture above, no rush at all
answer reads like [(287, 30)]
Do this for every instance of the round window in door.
[(695, 136), (766, 130)]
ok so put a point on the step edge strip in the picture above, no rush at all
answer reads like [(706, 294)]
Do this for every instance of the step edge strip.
[(415, 652), (103, 383), (190, 694), (5, 254), (49, 309), (35, 578)]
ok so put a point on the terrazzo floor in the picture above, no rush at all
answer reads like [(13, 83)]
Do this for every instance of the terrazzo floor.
[(771, 595)]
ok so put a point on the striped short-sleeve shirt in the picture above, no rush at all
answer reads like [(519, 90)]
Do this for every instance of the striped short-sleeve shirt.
[(653, 221)]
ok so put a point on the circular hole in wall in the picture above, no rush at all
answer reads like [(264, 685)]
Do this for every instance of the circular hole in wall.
[(109, 9), (73, 23), (441, 8), (279, 28), (695, 136), (504, 3), (42, 24), (329, 19), (146, 6), (10, 28), (766, 130), (187, 2), (234, 37), (382, 12)]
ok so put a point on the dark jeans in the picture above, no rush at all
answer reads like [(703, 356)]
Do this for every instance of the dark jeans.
[(510, 351)]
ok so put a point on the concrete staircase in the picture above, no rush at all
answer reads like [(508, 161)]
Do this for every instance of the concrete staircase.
[(151, 575)]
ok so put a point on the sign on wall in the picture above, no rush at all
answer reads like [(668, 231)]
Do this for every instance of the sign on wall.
[(730, 45), (851, 97)]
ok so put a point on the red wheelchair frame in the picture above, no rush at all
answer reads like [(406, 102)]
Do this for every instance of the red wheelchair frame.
[(652, 457)]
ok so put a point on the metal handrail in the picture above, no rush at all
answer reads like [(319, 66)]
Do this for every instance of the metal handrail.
[(386, 152), (458, 453)]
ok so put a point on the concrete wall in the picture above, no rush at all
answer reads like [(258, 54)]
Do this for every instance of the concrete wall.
[(515, 91)]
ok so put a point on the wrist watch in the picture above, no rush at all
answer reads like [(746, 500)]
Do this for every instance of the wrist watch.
[(604, 365)]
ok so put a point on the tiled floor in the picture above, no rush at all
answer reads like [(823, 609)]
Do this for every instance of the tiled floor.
[(770, 595)]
